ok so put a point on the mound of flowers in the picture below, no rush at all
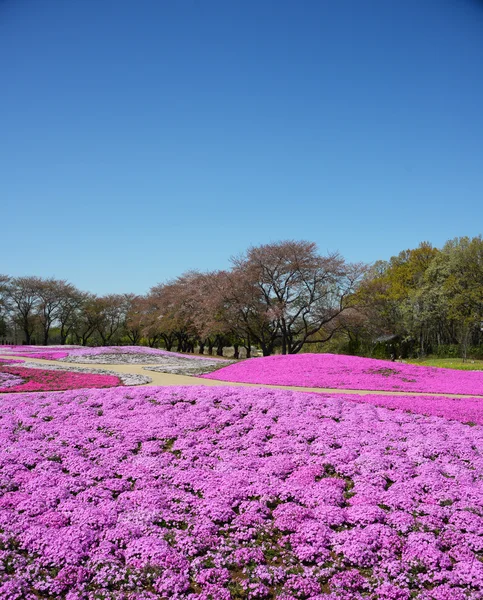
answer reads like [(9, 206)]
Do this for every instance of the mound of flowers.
[(220, 493), (125, 378), (186, 366), (23, 379), (350, 372), (465, 410), (44, 352), (101, 354)]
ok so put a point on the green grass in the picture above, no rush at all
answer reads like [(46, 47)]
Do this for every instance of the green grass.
[(449, 363)]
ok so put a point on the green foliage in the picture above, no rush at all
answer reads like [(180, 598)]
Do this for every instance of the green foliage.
[(3, 328), (430, 300), (450, 363)]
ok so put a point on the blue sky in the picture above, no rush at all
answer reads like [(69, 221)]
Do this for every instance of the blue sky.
[(140, 139)]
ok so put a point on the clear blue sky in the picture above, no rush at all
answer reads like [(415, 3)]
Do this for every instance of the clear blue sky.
[(143, 138)]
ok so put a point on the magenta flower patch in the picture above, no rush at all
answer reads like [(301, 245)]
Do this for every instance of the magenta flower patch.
[(19, 379), (222, 493), (44, 352), (465, 410), (350, 372), (43, 355)]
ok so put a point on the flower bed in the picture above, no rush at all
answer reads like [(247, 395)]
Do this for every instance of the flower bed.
[(9, 380), (40, 380), (186, 366), (44, 352), (167, 362), (350, 372), (9, 361), (101, 354), (218, 493), (465, 410), (125, 378)]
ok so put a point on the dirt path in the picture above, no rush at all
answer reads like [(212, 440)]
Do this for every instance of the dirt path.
[(168, 379)]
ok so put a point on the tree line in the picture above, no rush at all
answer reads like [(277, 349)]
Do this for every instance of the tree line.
[(278, 297), (422, 301)]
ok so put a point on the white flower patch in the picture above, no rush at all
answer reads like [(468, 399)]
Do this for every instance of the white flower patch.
[(182, 366), (8, 380), (131, 358), (128, 379)]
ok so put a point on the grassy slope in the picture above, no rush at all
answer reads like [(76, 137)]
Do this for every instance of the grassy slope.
[(449, 363)]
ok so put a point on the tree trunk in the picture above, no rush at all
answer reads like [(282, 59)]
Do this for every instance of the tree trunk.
[(267, 349), (248, 346), (201, 349), (236, 351), (421, 344), (134, 337), (464, 345)]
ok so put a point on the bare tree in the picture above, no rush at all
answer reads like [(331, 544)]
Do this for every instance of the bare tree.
[(86, 321), (4, 287), (175, 308), (72, 301), (53, 295), (134, 318), (296, 291), (24, 299), (250, 317), (208, 311), (111, 315), (151, 322)]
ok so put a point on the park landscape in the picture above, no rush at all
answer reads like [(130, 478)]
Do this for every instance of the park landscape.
[(241, 300), (231, 487), (280, 430)]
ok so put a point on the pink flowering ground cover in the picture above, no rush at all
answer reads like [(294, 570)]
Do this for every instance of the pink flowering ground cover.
[(60, 352), (19, 379), (44, 352), (350, 372), (51, 355), (465, 410), (235, 493)]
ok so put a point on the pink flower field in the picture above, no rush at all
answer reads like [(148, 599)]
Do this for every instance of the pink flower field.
[(350, 372), (44, 352), (230, 493), (465, 410), (60, 352), (18, 379)]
